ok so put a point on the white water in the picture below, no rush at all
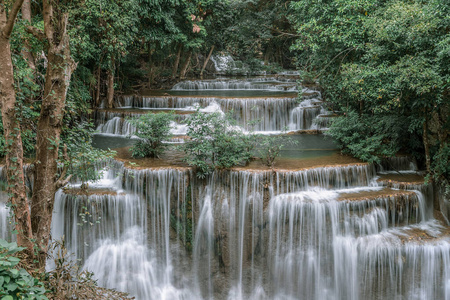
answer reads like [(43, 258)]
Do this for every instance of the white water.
[(255, 114), (163, 234), (257, 235), (215, 85), (267, 115), (5, 221)]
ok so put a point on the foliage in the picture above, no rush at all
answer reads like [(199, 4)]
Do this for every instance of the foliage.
[(252, 29), (152, 130), (103, 31), (269, 147), (82, 158), (17, 283), (377, 60), (367, 137), (215, 143), (441, 165)]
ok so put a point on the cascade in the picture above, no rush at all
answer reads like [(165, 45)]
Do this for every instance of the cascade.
[(5, 226), (277, 111), (271, 85), (335, 232)]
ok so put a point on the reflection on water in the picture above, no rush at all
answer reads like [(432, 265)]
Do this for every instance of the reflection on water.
[(309, 146)]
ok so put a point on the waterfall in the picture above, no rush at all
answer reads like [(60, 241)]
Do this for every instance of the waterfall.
[(335, 232), (323, 233), (234, 85), (258, 114), (5, 221), (125, 224)]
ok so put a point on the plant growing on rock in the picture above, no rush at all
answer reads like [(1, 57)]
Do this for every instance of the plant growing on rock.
[(80, 157), (269, 147), (215, 143), (152, 130)]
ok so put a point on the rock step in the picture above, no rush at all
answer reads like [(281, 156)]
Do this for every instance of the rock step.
[(374, 195)]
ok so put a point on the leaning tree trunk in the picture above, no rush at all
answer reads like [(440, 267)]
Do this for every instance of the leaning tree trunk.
[(12, 132), (110, 85), (186, 65), (57, 79), (177, 62), (97, 87), (206, 61), (426, 143)]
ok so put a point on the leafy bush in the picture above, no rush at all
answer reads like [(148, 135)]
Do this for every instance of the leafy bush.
[(269, 147), (368, 137), (16, 283), (215, 143), (82, 158), (152, 130)]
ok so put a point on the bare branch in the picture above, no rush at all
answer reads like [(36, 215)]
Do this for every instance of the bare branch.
[(12, 18), (37, 33)]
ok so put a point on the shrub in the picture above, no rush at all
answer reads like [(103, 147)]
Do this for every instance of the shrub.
[(152, 130), (80, 157), (368, 137), (17, 283), (215, 143), (269, 147)]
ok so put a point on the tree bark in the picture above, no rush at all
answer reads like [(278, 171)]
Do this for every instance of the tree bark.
[(177, 62), (110, 86), (57, 79), (426, 144), (97, 94), (26, 53), (207, 60), (186, 65), (12, 133)]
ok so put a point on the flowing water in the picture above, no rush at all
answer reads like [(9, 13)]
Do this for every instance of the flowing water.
[(332, 232), (258, 104)]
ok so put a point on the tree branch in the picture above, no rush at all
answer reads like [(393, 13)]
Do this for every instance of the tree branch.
[(12, 18), (37, 33), (48, 15), (62, 182)]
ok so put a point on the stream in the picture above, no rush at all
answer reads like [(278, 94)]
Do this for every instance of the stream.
[(317, 226)]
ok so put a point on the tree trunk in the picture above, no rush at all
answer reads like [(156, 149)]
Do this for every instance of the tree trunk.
[(426, 144), (57, 79), (151, 66), (97, 94), (186, 65), (177, 62), (110, 89), (12, 133), (206, 61), (26, 53)]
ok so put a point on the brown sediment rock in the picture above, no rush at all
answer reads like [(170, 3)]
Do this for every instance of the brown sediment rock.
[(89, 192), (402, 179), (368, 195), (307, 131)]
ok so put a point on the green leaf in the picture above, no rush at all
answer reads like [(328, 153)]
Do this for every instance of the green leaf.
[(12, 286)]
